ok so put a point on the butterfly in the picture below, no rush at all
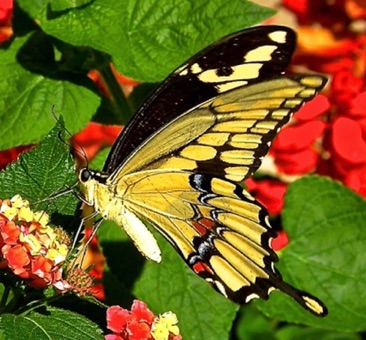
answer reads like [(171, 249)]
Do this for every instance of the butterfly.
[(179, 162)]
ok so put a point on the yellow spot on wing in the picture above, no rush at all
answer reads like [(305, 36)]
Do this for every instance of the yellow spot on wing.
[(291, 103), (236, 173), (279, 114), (237, 156), (267, 125), (229, 85), (261, 53), (198, 152), (236, 126), (314, 305), (214, 139), (239, 72), (314, 81), (222, 187)]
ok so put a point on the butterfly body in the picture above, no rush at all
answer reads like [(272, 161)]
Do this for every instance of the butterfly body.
[(182, 176)]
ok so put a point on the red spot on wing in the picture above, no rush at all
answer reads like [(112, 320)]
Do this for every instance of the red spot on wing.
[(201, 267), (203, 225)]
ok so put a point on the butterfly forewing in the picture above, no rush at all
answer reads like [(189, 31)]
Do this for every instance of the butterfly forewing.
[(243, 58), (179, 162)]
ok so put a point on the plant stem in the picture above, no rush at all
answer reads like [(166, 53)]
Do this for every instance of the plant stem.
[(122, 108)]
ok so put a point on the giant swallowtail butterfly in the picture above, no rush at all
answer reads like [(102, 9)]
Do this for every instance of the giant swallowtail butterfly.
[(179, 162)]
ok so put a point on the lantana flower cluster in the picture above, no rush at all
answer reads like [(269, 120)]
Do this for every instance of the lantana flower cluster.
[(30, 247), (141, 323)]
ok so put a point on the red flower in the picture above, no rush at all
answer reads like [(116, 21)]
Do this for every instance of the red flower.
[(328, 135), (348, 142), (134, 324), (356, 180), (355, 9), (141, 324), (295, 148), (280, 241), (11, 155), (270, 193), (6, 13)]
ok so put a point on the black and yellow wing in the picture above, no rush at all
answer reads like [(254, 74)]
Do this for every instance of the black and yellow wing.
[(183, 176), (240, 59)]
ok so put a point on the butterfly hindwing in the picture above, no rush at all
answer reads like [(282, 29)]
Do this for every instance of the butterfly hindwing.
[(218, 228)]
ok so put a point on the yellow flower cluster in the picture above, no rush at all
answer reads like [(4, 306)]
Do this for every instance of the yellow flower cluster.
[(164, 326)]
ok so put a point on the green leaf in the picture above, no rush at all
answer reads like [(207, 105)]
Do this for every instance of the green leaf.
[(52, 324), (60, 5), (253, 325), (167, 286), (31, 82), (171, 285), (325, 256), (44, 170), (6, 294), (148, 39), (300, 333), (99, 159), (124, 264)]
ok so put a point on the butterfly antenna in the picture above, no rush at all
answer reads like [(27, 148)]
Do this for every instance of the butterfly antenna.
[(57, 194)]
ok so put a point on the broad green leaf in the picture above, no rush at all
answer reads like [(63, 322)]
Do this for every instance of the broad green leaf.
[(99, 159), (167, 286), (52, 324), (6, 294), (293, 332), (171, 285), (147, 39), (251, 324), (60, 5), (40, 172), (124, 264), (31, 83), (325, 256)]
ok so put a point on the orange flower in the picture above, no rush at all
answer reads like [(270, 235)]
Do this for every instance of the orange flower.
[(30, 248)]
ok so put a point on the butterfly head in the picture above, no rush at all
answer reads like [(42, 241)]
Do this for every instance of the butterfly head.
[(87, 179), (85, 175), (91, 180)]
